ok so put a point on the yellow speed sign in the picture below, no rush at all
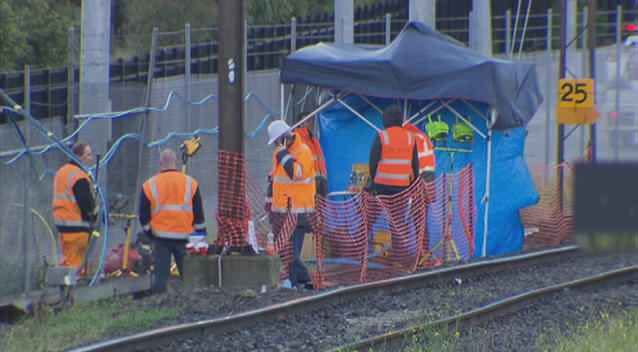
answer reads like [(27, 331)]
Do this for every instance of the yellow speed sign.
[(576, 93)]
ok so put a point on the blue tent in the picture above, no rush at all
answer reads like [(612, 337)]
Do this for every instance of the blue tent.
[(428, 73)]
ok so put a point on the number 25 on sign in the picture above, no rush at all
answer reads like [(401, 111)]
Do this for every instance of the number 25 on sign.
[(576, 101)]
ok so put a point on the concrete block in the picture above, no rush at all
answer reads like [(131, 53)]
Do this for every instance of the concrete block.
[(200, 271), (237, 271), (250, 271), (61, 276)]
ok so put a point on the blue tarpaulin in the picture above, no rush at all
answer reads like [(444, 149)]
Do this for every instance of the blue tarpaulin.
[(346, 140)]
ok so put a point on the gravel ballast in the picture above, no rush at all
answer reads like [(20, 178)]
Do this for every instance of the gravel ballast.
[(338, 324)]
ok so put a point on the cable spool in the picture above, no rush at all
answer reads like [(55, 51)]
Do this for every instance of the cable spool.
[(462, 132), (437, 130)]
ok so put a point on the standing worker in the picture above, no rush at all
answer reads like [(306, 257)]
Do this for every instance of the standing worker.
[(308, 138), (74, 207), (170, 211), (293, 190), (394, 161), (425, 149)]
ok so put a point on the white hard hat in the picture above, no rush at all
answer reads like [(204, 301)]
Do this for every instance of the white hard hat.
[(277, 129)]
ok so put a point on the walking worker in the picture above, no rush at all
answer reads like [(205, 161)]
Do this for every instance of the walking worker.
[(293, 190), (425, 149), (170, 211), (394, 162), (307, 136), (74, 207)]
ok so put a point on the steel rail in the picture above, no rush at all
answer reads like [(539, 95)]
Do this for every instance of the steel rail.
[(234, 322), (395, 341)]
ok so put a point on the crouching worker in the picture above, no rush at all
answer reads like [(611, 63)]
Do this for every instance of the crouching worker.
[(293, 190), (74, 207), (170, 211)]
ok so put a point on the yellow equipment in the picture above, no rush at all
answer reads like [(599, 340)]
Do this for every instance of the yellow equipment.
[(189, 148)]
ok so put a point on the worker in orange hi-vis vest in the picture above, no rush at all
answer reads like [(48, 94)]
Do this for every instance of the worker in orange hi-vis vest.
[(74, 207), (170, 211), (394, 162), (293, 190), (309, 139), (425, 149)]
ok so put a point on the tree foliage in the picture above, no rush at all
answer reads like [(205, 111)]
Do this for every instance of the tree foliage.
[(33, 32)]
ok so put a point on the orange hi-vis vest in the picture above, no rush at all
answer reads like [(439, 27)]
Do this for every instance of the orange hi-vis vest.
[(395, 164), (315, 148), (66, 211), (425, 149), (296, 195), (171, 196)]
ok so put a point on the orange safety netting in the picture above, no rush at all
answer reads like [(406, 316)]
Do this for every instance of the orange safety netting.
[(366, 237), (233, 212), (546, 222)]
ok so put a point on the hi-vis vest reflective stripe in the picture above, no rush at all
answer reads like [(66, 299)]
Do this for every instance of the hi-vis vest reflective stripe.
[(171, 196), (425, 149), (66, 211), (296, 195), (395, 165)]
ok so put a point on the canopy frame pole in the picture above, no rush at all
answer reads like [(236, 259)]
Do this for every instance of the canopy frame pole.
[(332, 100), (309, 90), (405, 109), (476, 110), (420, 112), (457, 114), (488, 177), (282, 98), (290, 95), (374, 106), (352, 110), (440, 107)]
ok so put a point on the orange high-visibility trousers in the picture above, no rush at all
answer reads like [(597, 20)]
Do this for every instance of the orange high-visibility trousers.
[(74, 246)]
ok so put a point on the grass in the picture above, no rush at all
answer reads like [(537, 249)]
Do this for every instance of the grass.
[(617, 334), (80, 324)]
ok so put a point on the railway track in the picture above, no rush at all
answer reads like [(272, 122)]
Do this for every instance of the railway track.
[(166, 338), (398, 340)]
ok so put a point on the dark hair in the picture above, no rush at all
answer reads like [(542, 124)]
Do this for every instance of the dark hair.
[(79, 148), (392, 116)]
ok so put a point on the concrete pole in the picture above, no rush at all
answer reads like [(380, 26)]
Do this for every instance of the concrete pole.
[(27, 230), (94, 71), (344, 21), (482, 26), (423, 11)]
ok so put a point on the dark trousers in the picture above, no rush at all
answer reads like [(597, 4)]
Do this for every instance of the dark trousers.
[(162, 251), (298, 271)]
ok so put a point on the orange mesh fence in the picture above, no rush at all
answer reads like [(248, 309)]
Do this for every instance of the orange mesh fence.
[(342, 227), (405, 217), (233, 212), (545, 222)]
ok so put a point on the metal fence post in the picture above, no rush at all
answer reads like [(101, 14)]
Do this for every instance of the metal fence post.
[(585, 73), (619, 15), (26, 218), (388, 28), (70, 79), (188, 79), (293, 34), (508, 33), (548, 95)]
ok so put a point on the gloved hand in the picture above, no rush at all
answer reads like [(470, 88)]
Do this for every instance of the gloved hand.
[(95, 233), (197, 244)]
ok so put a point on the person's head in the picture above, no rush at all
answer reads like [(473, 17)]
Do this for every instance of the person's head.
[(392, 116), (168, 160), (309, 123), (83, 152), (278, 132)]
